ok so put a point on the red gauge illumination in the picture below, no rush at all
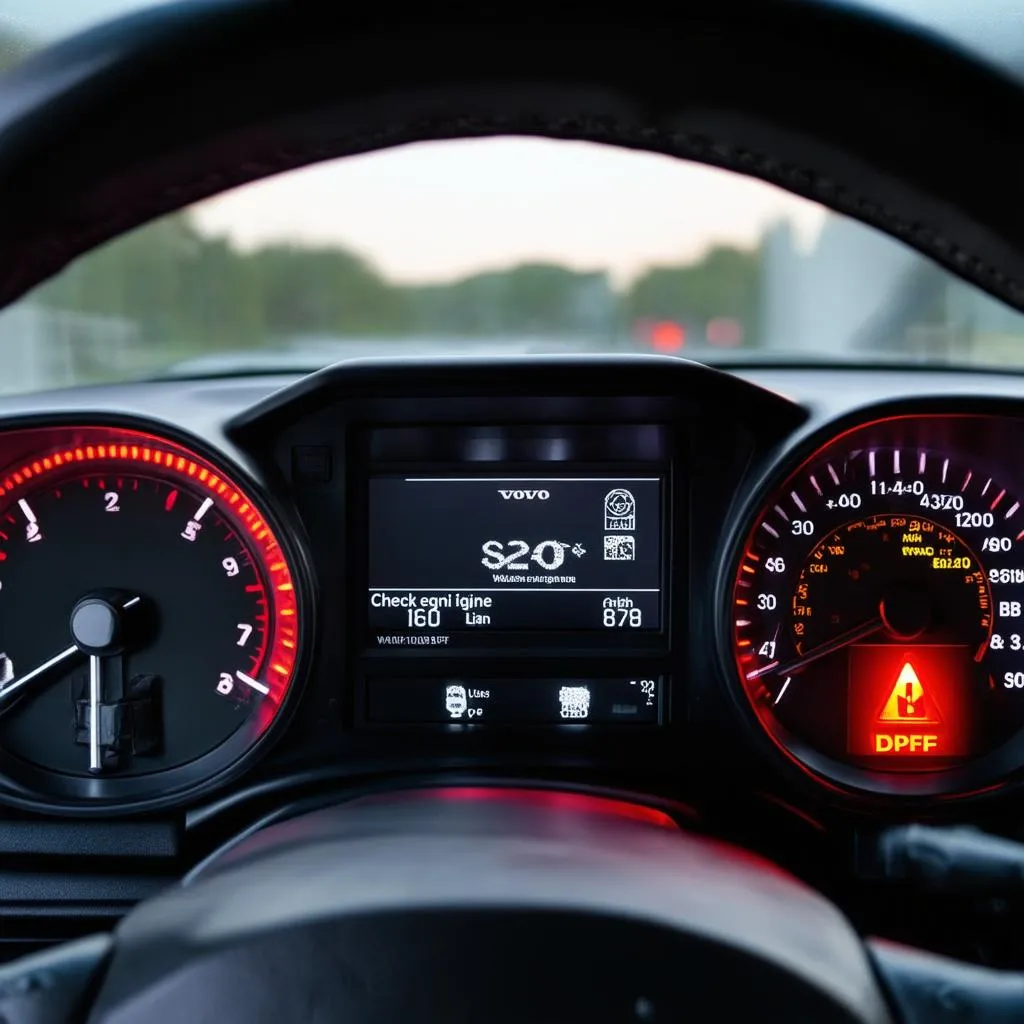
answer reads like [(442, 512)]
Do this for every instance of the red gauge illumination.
[(149, 616), (876, 613)]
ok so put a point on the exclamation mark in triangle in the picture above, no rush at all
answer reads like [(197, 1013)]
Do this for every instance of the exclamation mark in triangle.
[(908, 701)]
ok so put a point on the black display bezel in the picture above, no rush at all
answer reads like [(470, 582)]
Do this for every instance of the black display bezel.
[(509, 653)]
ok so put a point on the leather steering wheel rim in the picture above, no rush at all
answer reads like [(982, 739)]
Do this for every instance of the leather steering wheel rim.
[(503, 906)]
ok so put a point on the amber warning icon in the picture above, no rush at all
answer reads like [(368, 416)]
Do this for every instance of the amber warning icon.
[(908, 702)]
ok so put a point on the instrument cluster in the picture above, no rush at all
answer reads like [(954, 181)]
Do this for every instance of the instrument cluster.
[(400, 568)]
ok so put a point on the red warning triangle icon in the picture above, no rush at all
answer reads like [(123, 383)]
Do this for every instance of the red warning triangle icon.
[(908, 702)]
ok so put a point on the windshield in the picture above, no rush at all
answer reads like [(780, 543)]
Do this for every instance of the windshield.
[(496, 246)]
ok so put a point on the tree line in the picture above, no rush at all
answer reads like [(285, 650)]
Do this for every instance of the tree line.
[(13, 48), (177, 284)]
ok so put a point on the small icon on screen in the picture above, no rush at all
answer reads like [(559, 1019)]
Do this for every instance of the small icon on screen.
[(455, 701), (619, 548), (619, 510), (574, 701)]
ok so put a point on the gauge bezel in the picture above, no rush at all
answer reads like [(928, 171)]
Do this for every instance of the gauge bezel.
[(993, 771), (31, 787)]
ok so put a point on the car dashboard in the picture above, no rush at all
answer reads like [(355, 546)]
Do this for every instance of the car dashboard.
[(780, 604)]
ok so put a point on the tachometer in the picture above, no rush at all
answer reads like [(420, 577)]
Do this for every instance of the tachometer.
[(149, 618), (876, 615)]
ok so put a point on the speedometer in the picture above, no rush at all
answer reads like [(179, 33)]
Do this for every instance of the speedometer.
[(876, 612)]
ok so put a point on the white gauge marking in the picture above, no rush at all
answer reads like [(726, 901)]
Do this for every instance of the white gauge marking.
[(814, 484), (254, 683), (832, 473), (998, 498), (945, 469), (988, 484), (896, 462), (742, 622), (29, 514), (796, 501), (967, 480), (921, 459), (871, 463), (202, 510), (771, 529), (785, 687), (1012, 510), (782, 512)]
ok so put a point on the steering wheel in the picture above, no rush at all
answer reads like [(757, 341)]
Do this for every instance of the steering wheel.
[(495, 904), (498, 904)]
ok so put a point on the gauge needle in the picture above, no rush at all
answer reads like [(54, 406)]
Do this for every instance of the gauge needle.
[(95, 695), (17, 685), (851, 636)]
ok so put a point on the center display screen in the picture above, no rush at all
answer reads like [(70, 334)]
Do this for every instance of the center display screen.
[(451, 554)]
